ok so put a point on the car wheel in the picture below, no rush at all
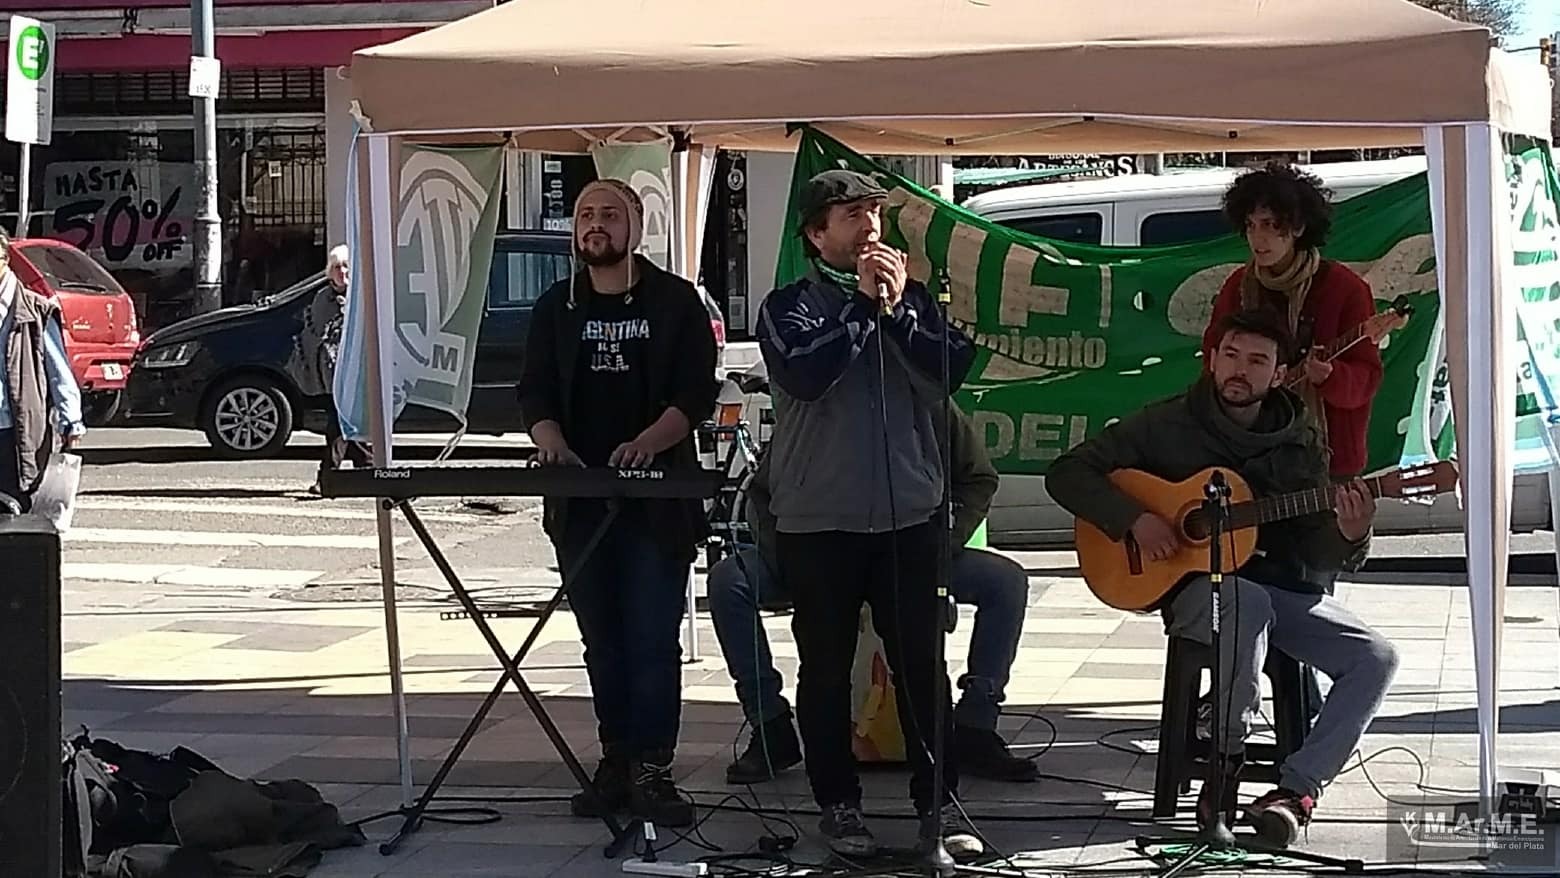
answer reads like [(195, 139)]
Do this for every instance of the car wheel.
[(248, 417), (99, 408)]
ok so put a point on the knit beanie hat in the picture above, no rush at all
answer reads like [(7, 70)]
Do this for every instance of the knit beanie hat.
[(633, 209)]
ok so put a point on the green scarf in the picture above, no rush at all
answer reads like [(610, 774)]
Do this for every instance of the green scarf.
[(847, 279)]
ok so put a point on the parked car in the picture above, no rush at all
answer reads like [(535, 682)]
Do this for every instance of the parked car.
[(101, 334), (235, 373)]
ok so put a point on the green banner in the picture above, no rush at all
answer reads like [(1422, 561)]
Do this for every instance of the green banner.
[(446, 219), (647, 169), (1071, 337), (1535, 194)]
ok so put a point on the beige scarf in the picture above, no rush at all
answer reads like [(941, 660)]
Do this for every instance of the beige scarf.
[(1259, 286)]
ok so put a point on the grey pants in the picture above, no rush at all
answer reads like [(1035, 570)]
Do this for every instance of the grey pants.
[(1314, 629)]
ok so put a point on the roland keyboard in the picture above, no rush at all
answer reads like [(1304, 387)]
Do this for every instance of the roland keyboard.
[(520, 480)]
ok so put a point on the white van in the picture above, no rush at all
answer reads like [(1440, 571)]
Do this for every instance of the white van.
[(1173, 208)]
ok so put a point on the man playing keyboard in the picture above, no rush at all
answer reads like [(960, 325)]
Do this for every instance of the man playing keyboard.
[(619, 367)]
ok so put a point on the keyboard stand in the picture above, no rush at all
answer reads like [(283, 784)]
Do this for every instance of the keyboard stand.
[(511, 674)]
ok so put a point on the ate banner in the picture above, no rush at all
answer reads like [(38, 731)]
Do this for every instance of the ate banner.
[(446, 217), (1071, 337)]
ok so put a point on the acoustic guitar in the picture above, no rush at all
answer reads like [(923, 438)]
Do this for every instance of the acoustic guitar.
[(1375, 329), (1123, 577)]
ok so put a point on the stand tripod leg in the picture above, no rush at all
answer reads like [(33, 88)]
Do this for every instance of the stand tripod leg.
[(413, 817)]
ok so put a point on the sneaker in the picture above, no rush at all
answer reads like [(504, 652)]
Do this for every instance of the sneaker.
[(1279, 816), (1207, 809), (756, 764), (654, 796), (983, 753), (611, 788), (1205, 719), (959, 838), (845, 829)]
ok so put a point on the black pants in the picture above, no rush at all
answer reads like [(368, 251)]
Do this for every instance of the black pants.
[(830, 576), (338, 448), (10, 479)]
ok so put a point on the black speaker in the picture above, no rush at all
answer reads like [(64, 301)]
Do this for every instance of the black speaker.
[(30, 749)]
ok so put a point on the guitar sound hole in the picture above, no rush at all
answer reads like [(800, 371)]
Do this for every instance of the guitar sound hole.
[(1194, 526)]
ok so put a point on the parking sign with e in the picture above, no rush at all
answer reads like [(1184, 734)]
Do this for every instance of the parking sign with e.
[(29, 81)]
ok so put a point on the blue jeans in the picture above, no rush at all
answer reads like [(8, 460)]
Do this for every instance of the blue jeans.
[(742, 584), (628, 602)]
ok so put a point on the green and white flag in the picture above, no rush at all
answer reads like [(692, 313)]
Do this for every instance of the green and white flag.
[(1071, 337), (647, 169), (1535, 204), (446, 219)]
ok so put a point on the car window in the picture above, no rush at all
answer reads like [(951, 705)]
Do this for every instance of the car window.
[(1079, 228), (65, 268), (520, 278), (1180, 227)]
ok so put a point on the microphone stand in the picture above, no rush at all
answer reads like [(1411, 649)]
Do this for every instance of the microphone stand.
[(935, 861), (1217, 836)]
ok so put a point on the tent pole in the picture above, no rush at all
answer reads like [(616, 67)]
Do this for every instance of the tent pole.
[(379, 305), (1479, 319)]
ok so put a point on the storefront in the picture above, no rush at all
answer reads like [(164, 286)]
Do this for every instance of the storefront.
[(118, 178)]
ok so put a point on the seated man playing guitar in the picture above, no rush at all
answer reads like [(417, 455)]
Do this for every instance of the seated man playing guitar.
[(1238, 416)]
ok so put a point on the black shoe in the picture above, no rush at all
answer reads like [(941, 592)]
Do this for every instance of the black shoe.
[(654, 796), (758, 764), (959, 838), (1207, 809), (983, 753), (611, 787), (845, 829)]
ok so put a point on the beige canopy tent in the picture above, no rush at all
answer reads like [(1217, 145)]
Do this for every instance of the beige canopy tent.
[(1006, 76)]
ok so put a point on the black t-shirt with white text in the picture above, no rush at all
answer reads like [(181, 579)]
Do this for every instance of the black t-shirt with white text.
[(610, 376)]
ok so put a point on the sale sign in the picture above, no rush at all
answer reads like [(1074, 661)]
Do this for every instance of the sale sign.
[(126, 214)]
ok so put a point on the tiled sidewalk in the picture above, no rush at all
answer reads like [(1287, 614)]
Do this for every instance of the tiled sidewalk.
[(278, 688)]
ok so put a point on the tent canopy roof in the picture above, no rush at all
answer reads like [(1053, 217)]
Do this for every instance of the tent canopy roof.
[(947, 76)]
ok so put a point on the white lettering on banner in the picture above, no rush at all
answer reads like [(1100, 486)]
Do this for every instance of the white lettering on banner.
[(1021, 296), (127, 214), (1037, 436)]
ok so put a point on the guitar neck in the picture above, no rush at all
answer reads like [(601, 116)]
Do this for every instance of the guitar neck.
[(1293, 505), (1344, 342)]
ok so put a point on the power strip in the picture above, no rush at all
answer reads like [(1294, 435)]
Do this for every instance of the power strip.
[(638, 866)]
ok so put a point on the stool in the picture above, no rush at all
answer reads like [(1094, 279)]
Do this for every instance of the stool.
[(1182, 755)]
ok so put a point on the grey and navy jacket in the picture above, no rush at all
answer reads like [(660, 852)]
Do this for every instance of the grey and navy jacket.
[(837, 400)]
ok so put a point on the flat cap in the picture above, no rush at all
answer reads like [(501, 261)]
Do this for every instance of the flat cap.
[(836, 187)]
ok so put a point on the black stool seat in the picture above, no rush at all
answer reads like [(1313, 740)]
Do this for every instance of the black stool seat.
[(1183, 756)]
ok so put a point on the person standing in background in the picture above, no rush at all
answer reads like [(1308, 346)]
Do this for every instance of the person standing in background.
[(40, 402), (322, 329)]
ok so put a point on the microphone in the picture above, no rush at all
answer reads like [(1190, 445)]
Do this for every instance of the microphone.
[(882, 290), (1217, 487)]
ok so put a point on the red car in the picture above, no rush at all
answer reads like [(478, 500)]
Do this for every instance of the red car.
[(100, 326)]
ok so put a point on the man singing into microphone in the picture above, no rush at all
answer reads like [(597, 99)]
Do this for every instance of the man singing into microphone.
[(851, 349)]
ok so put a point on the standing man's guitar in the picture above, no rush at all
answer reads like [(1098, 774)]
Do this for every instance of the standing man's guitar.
[(1374, 330), (1120, 576)]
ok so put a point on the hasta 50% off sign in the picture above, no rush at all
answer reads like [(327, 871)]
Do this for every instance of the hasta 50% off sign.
[(128, 214)]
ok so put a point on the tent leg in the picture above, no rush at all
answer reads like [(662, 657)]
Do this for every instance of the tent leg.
[(374, 194)]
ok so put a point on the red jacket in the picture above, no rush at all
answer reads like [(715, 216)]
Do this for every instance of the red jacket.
[(1338, 301)]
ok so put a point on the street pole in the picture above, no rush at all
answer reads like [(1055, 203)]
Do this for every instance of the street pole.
[(208, 224), (23, 190)]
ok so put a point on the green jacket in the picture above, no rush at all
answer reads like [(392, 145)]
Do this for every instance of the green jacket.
[(973, 484), (1177, 438)]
